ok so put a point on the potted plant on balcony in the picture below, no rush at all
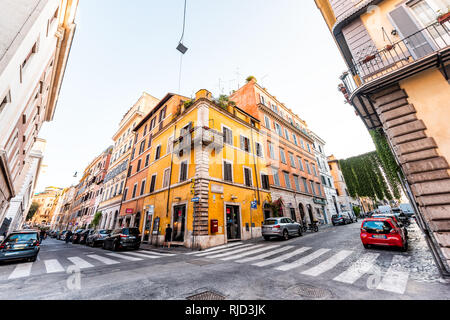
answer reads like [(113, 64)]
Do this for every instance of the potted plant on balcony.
[(368, 58), (443, 16), (389, 47)]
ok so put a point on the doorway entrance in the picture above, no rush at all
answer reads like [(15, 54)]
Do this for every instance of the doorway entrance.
[(293, 216), (179, 223), (233, 222), (311, 214), (147, 228), (266, 211)]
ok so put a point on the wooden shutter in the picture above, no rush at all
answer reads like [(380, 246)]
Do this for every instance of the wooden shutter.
[(417, 42)]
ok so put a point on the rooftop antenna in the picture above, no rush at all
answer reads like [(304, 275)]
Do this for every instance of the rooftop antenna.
[(181, 47), (238, 76)]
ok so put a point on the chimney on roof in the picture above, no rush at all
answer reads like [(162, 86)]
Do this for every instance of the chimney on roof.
[(203, 93)]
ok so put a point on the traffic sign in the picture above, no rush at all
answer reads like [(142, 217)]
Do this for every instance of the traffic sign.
[(196, 199), (254, 205)]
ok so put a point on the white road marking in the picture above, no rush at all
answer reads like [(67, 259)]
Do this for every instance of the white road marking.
[(223, 250), (157, 253), (21, 271), (358, 269), (240, 249), (53, 266), (396, 278), (249, 253), (328, 264), (303, 260), (146, 256), (229, 245), (80, 263), (281, 258), (265, 255), (105, 260), (122, 256)]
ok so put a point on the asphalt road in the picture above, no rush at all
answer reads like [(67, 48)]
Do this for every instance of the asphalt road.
[(330, 264)]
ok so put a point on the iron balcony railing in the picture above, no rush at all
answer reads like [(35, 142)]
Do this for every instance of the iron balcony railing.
[(198, 136), (394, 56)]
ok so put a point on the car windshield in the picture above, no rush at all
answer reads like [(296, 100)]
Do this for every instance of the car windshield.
[(104, 231), (271, 222), (22, 237), (381, 227), (131, 231)]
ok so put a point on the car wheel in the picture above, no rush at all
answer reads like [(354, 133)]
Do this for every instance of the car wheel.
[(285, 235), (33, 259), (115, 246), (104, 245), (300, 232), (334, 224), (366, 246), (267, 238)]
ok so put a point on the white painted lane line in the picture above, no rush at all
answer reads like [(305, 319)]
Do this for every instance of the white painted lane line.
[(328, 264), (122, 256), (249, 253), (146, 256), (281, 258), (265, 255), (80, 263), (303, 260), (223, 250), (358, 269), (157, 253), (229, 245), (396, 278), (21, 271), (220, 255), (53, 266), (104, 260)]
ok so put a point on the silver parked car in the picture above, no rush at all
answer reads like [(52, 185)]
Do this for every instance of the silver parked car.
[(280, 227)]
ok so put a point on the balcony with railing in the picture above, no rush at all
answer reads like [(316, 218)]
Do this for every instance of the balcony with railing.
[(396, 56), (204, 136)]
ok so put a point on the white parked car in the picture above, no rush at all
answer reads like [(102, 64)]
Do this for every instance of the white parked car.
[(385, 209)]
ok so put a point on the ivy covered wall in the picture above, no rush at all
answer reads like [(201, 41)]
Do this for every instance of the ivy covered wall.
[(373, 174)]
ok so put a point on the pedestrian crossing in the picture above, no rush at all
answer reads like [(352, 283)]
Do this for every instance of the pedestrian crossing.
[(88, 261), (317, 263)]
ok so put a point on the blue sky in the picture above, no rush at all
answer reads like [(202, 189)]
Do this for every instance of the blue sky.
[(122, 48)]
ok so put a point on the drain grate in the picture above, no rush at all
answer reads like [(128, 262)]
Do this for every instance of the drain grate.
[(310, 291), (207, 295)]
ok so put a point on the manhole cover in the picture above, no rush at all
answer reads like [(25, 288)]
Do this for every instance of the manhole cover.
[(199, 262), (310, 291), (207, 295)]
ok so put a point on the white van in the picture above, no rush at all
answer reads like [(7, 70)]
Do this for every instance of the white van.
[(407, 209), (385, 209)]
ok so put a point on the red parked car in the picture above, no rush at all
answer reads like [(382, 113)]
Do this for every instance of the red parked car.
[(383, 232)]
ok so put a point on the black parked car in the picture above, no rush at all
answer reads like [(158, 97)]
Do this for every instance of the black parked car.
[(61, 235), (96, 237), (76, 236), (22, 244), (342, 218), (123, 238), (83, 236)]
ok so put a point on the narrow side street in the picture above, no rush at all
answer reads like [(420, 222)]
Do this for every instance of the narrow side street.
[(330, 264)]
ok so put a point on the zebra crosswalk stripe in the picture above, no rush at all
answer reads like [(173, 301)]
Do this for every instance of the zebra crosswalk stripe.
[(122, 256), (142, 255), (229, 245), (249, 253), (157, 253), (362, 266), (53, 266), (396, 278), (281, 258), (264, 255), (21, 271), (80, 263), (102, 259), (240, 249), (302, 260), (328, 264), (223, 250)]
